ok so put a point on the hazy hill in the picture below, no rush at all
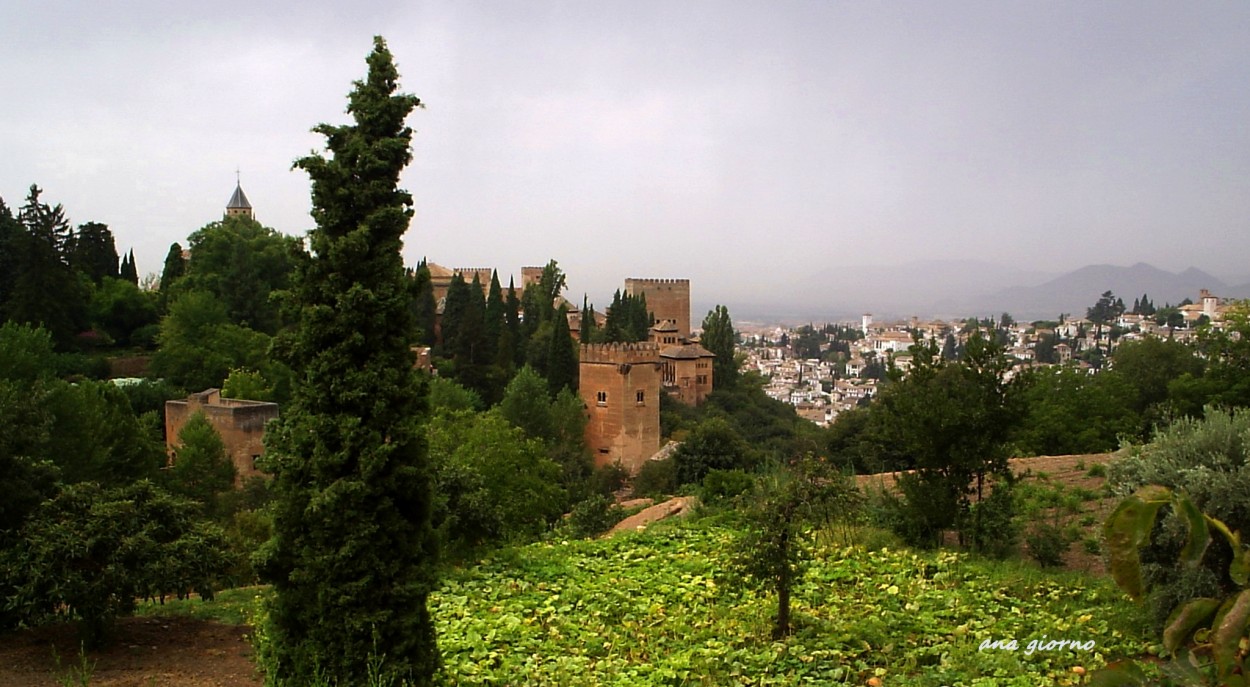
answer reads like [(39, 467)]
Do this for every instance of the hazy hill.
[(1076, 291), (961, 288)]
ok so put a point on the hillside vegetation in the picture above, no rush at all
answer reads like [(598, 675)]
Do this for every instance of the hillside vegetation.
[(657, 608)]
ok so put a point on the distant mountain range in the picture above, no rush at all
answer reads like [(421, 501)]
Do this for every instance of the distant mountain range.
[(963, 288)]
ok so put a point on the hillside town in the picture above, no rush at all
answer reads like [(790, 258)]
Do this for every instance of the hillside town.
[(826, 370)]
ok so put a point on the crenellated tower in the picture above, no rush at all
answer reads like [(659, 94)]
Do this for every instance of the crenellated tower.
[(667, 299), (620, 387)]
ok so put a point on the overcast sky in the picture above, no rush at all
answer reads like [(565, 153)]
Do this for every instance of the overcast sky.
[(739, 144)]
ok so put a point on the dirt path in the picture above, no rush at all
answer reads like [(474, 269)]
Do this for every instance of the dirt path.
[(146, 652)]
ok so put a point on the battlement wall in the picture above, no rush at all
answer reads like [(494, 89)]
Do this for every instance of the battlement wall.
[(635, 280), (667, 299), (620, 353)]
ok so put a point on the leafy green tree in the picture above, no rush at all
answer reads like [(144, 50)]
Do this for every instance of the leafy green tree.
[(589, 330), (10, 238), (119, 308), (950, 422), (1226, 380), (774, 545), (248, 385), (512, 327), (446, 395), (455, 305), (567, 443), (199, 346), (201, 469), (712, 445), (241, 263), (90, 553), (93, 252), (526, 404), (95, 437), (1067, 411), (493, 483), (352, 561), (719, 338), (494, 318), (1148, 366)]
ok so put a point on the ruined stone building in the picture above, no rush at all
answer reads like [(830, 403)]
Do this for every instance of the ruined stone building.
[(240, 423)]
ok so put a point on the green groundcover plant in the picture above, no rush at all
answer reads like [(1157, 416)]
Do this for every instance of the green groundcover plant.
[(654, 608)]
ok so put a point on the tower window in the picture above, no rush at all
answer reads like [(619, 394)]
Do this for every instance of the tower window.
[(601, 398), (641, 397)]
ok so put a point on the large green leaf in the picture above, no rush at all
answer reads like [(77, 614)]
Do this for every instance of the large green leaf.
[(1199, 535), (1127, 530), (1228, 629), (1186, 619), (1239, 569), (1118, 674)]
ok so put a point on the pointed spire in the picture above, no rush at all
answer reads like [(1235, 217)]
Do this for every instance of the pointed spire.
[(238, 203)]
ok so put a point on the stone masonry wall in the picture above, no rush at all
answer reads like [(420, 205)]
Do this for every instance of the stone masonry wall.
[(620, 387), (667, 299)]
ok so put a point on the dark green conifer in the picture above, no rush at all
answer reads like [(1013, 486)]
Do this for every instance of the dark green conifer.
[(128, 270), (561, 359), (175, 267), (353, 553)]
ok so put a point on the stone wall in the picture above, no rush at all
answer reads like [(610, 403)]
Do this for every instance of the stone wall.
[(667, 299), (620, 387), (240, 423)]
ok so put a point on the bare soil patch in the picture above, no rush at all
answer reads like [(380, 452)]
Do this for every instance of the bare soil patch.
[(145, 652), (1070, 472)]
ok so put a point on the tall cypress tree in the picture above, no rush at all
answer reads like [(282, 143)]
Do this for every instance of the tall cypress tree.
[(425, 308), (494, 322), (128, 270), (455, 303), (561, 358), (353, 552), (512, 327), (175, 267)]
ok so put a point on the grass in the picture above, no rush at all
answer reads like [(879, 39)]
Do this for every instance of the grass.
[(229, 606)]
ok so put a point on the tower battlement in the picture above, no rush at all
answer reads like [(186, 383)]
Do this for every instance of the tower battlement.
[(667, 299), (635, 280), (620, 353)]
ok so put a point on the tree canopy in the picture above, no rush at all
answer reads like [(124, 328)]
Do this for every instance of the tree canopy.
[(353, 553)]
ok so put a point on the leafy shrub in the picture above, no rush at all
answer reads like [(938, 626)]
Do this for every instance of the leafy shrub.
[(1206, 631), (90, 553), (1097, 470), (720, 486), (1092, 545), (608, 479), (594, 516), (991, 523), (1209, 460), (656, 478), (1047, 543)]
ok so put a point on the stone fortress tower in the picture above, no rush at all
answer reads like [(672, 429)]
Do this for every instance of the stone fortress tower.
[(620, 387), (620, 384), (667, 299)]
